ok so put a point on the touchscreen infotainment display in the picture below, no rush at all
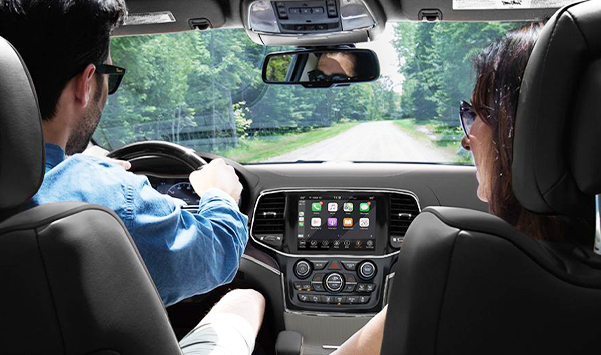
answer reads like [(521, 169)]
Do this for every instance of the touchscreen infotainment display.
[(336, 222)]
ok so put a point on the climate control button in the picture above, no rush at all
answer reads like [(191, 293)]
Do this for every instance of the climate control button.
[(302, 269), (334, 282), (367, 270), (320, 264)]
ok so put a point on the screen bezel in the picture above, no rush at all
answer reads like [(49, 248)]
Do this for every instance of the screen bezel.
[(380, 230)]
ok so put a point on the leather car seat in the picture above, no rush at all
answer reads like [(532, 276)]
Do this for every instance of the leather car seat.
[(467, 282), (71, 279)]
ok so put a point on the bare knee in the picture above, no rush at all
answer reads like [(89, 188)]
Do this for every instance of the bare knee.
[(241, 301), (246, 296)]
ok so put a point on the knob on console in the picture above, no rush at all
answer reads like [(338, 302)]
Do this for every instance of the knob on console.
[(334, 282), (367, 270), (302, 269)]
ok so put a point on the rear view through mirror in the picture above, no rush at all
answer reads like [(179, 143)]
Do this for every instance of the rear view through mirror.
[(321, 68)]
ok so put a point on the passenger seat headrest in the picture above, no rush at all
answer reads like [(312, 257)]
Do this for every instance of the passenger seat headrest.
[(557, 144), (21, 137)]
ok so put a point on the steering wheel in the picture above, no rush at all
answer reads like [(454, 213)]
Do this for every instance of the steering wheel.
[(145, 149)]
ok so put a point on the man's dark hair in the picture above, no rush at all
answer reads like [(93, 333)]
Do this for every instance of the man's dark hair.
[(57, 39)]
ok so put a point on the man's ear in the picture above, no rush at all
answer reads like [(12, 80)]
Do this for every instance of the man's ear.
[(84, 84)]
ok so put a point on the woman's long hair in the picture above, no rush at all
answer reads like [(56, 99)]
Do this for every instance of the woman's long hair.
[(499, 71)]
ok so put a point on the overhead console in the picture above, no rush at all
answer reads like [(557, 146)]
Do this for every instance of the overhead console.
[(310, 23), (336, 247)]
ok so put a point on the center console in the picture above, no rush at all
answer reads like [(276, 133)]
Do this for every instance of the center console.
[(335, 248), (335, 284)]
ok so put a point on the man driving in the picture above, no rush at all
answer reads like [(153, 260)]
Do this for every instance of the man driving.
[(65, 45), (342, 63)]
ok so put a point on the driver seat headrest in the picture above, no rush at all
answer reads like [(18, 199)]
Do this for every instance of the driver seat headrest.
[(21, 136), (556, 165)]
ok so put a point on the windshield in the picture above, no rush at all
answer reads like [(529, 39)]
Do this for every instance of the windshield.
[(203, 90)]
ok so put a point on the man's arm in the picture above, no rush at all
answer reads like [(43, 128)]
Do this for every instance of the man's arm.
[(217, 174), (186, 253)]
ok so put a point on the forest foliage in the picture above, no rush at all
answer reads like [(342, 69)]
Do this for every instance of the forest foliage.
[(204, 89), (436, 61)]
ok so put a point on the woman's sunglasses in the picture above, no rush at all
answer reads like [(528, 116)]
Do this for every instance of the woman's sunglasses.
[(115, 75), (467, 115)]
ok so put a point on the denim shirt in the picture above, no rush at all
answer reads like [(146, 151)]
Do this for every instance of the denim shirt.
[(186, 253)]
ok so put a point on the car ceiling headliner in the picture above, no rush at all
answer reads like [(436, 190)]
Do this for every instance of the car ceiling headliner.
[(227, 13)]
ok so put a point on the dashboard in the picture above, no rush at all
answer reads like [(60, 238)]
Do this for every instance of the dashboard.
[(337, 246), (325, 237), (177, 187)]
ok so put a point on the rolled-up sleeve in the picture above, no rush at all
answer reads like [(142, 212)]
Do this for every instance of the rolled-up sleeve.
[(186, 253)]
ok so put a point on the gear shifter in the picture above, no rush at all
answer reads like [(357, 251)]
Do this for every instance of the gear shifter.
[(289, 343)]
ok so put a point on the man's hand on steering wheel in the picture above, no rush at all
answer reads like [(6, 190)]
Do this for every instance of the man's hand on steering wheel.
[(96, 151), (215, 174), (219, 175)]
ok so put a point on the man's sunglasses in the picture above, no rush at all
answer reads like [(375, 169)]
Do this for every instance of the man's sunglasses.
[(318, 75), (115, 75), (467, 115)]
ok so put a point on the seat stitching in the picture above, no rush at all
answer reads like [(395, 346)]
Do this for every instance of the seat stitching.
[(446, 284), (83, 208), (560, 274), (60, 327), (579, 29)]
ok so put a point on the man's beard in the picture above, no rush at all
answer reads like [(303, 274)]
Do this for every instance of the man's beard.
[(82, 133)]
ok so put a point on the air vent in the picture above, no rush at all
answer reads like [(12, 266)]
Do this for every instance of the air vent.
[(268, 223), (403, 210)]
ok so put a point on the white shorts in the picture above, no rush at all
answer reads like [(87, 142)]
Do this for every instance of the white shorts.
[(230, 334)]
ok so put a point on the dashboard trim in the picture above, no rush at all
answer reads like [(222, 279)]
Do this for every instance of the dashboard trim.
[(260, 263), (386, 285), (329, 189)]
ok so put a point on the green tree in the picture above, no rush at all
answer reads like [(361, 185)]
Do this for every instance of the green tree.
[(436, 63)]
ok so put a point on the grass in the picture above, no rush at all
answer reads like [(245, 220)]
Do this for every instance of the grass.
[(437, 133), (259, 149)]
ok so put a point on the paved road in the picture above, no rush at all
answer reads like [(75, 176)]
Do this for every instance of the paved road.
[(371, 141)]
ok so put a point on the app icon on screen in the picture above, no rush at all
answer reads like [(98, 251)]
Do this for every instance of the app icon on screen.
[(301, 224), (348, 207), (301, 219), (363, 222), (364, 207), (301, 213), (332, 222), (347, 222), (332, 207), (316, 206), (315, 222)]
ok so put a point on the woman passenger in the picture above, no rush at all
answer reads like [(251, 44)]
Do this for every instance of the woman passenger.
[(488, 124)]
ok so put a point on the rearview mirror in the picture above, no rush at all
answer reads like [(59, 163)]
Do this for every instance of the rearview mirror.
[(321, 68)]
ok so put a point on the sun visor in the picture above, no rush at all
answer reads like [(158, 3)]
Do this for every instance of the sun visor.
[(147, 17), (313, 22)]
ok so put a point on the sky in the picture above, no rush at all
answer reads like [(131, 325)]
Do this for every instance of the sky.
[(387, 55)]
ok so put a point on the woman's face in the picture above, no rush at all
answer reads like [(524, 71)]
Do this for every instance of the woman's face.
[(479, 142)]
